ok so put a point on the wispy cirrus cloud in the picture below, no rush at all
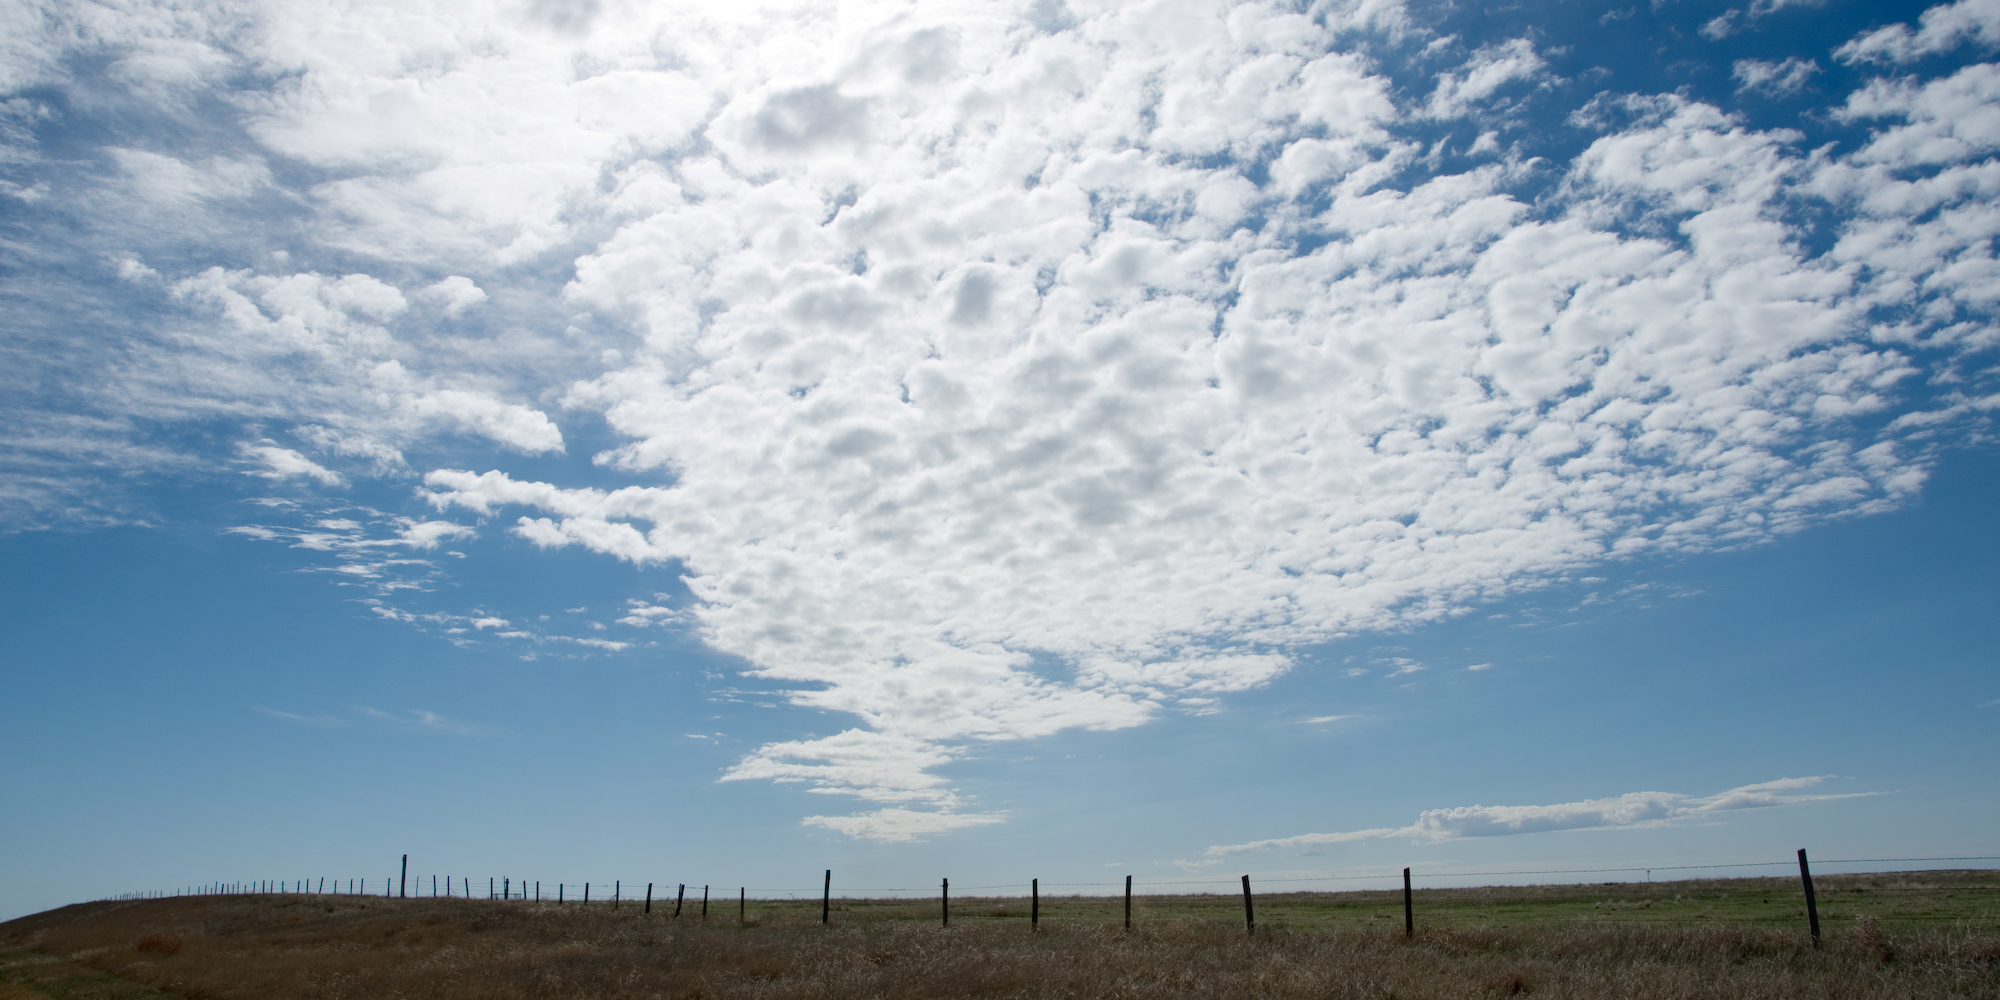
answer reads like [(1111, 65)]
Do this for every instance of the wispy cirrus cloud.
[(1629, 811), (407, 720)]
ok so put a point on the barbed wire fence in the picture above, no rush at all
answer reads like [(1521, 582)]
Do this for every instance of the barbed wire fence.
[(615, 894)]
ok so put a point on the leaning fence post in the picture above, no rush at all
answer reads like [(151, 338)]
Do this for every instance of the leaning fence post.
[(649, 897), (1409, 916), (1812, 905), (1034, 903), (1128, 902), (1249, 915), (826, 896), (944, 898), (679, 895)]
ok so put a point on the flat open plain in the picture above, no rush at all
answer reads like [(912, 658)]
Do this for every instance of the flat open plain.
[(1905, 935)]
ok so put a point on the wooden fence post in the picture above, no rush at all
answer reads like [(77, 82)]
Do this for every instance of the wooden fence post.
[(506, 888), (1128, 902), (1249, 915), (1409, 916), (704, 902), (1034, 903), (742, 901), (649, 897), (559, 893), (1812, 904), (404, 883), (615, 884), (944, 898), (679, 895), (586, 894), (826, 896)]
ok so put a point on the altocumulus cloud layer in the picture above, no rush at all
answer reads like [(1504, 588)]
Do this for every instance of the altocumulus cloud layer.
[(990, 369)]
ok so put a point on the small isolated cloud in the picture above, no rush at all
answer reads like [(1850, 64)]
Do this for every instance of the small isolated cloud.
[(316, 721), (1490, 68), (283, 463), (643, 614), (895, 826), (415, 719), (1628, 811), (1475, 668), (1738, 18), (1722, 25), (456, 294), (1774, 79), (1322, 719), (1990, 704), (1944, 28)]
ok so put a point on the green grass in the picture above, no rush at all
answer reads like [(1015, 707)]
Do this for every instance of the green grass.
[(1897, 900)]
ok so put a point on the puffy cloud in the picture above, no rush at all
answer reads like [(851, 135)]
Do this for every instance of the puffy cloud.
[(457, 294), (1113, 469), (1633, 809), (1489, 69), (990, 371), (1944, 28)]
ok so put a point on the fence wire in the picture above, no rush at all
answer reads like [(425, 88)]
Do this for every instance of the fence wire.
[(616, 891)]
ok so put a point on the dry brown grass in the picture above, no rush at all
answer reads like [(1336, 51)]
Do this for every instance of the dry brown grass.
[(280, 947)]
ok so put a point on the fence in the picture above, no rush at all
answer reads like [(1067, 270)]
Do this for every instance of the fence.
[(508, 888)]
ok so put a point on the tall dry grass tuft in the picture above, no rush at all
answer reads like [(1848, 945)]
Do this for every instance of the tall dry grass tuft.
[(335, 948), (165, 944)]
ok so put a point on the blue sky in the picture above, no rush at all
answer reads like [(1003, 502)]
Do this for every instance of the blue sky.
[(719, 443)]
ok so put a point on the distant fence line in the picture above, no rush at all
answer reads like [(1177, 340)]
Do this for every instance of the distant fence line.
[(509, 888)]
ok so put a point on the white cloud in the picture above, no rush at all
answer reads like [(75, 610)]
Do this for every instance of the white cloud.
[(363, 541), (978, 389), (1777, 79), (875, 767), (1728, 23), (896, 826), (1489, 69), (456, 294), (284, 463), (1631, 810), (958, 506), (1945, 27)]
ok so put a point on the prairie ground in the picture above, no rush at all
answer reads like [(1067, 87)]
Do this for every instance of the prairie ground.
[(1932, 934)]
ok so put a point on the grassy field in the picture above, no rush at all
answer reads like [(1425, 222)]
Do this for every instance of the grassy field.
[(1933, 934)]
